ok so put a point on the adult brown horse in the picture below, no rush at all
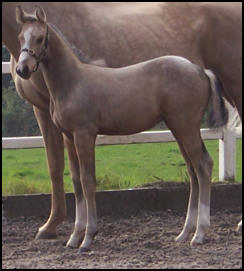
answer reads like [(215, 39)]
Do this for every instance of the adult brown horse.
[(119, 34), (87, 100)]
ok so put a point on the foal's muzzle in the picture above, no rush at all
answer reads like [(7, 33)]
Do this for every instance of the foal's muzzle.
[(24, 73), (38, 58)]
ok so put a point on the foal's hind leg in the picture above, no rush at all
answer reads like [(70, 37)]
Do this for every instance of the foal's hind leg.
[(192, 210), (80, 204), (190, 141), (203, 168)]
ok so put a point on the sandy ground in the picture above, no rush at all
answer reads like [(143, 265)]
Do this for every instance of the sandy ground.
[(144, 240)]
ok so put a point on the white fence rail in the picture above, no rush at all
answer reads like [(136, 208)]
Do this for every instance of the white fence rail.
[(227, 141), (5, 67)]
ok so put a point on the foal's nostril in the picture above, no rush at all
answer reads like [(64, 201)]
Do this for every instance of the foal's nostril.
[(24, 72), (18, 71)]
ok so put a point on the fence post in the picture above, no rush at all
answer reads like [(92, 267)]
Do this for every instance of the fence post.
[(227, 156)]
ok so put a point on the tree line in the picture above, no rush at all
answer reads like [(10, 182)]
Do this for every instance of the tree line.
[(18, 118)]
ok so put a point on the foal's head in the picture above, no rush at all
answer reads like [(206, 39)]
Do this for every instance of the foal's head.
[(33, 41)]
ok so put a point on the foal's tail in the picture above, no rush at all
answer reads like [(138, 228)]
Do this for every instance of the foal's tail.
[(218, 113)]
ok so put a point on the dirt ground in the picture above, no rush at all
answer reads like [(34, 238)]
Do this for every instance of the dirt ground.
[(144, 240)]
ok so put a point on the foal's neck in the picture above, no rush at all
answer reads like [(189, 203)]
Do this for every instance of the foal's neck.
[(61, 67)]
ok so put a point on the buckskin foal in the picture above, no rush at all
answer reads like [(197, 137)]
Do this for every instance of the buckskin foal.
[(86, 100)]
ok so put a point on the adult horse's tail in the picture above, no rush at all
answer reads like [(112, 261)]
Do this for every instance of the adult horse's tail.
[(218, 114)]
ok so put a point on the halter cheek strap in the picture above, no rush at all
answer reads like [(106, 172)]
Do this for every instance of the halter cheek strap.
[(42, 54)]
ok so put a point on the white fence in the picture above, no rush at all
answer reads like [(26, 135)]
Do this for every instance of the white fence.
[(5, 67), (227, 142)]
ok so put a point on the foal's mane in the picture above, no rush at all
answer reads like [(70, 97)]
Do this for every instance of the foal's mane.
[(81, 56)]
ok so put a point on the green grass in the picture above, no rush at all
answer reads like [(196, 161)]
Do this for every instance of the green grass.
[(118, 166)]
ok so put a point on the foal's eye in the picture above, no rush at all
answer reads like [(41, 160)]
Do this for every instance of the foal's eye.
[(20, 38), (39, 40)]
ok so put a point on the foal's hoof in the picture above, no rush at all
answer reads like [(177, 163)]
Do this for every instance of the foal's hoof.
[(183, 236), (46, 235), (72, 246), (196, 241), (75, 242), (84, 249)]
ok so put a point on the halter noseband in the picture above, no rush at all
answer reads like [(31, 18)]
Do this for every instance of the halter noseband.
[(42, 54)]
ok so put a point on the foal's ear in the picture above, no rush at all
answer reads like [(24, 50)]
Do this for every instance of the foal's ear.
[(20, 15), (40, 14)]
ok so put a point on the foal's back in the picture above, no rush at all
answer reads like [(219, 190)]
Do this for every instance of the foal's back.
[(135, 98)]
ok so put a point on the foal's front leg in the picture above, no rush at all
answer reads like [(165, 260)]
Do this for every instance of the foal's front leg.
[(85, 149), (80, 204)]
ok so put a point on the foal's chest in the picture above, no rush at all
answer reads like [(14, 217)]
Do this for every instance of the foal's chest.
[(58, 117)]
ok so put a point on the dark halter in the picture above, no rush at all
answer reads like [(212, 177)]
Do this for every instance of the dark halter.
[(42, 54)]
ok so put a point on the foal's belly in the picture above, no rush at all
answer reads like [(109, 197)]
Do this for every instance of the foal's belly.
[(128, 123)]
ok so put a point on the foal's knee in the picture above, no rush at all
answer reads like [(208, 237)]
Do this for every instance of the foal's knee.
[(89, 186), (77, 188)]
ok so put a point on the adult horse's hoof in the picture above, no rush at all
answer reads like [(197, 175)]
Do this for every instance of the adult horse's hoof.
[(239, 228), (46, 235)]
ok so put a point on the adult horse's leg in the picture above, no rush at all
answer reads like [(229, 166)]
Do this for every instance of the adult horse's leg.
[(239, 227), (238, 104), (235, 87), (85, 149), (80, 212), (55, 156)]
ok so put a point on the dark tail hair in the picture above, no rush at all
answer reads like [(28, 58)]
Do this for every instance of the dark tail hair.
[(218, 113)]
